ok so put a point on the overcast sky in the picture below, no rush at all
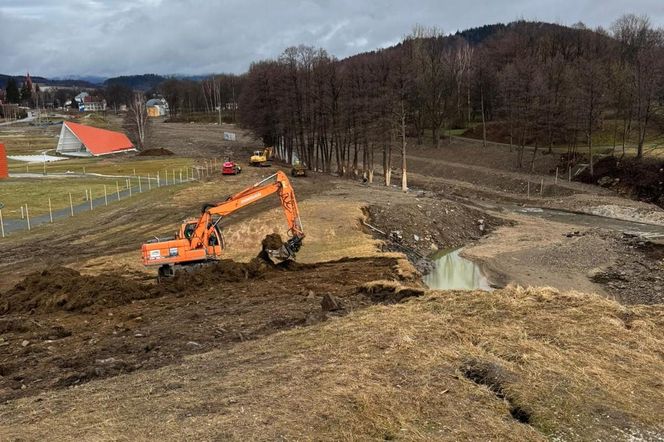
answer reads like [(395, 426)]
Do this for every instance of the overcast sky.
[(116, 37)]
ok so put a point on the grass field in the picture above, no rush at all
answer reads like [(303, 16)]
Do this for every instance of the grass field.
[(110, 166), (15, 193), (35, 192)]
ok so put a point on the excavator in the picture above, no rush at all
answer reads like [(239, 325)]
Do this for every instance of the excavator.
[(200, 242), (261, 158)]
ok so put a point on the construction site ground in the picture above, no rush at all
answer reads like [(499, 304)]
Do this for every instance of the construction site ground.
[(347, 343)]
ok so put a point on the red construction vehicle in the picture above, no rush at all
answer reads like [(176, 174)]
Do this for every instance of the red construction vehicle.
[(230, 168), (199, 241)]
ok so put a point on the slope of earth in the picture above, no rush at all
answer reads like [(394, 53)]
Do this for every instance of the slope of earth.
[(204, 140), (59, 328), (465, 170), (514, 364)]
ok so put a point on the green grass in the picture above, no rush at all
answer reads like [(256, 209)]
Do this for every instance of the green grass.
[(107, 166), (15, 193)]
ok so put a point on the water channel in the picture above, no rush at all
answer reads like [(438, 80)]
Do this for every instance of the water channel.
[(451, 271)]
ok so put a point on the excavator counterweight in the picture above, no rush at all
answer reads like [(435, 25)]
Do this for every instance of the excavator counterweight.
[(199, 241)]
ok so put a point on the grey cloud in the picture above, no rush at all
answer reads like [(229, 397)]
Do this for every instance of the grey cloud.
[(115, 37)]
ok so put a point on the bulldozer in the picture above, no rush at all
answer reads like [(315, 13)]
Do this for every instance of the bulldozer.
[(298, 169), (261, 158), (199, 241)]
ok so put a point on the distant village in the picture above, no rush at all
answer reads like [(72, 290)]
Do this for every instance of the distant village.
[(19, 99)]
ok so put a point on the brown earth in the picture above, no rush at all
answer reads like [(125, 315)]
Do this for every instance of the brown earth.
[(204, 140), (63, 328), (155, 152)]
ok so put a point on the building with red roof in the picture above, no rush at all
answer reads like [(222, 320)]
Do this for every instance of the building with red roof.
[(78, 140)]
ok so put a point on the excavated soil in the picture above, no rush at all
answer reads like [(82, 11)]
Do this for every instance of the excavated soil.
[(59, 328)]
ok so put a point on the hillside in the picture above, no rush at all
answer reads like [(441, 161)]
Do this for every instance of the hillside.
[(516, 364), (142, 82), (42, 80)]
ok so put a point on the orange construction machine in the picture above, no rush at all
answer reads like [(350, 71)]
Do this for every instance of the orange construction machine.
[(199, 241)]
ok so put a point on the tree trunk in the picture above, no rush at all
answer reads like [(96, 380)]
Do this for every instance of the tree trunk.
[(404, 175), (484, 119)]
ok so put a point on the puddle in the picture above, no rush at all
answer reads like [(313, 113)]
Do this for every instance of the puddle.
[(453, 272)]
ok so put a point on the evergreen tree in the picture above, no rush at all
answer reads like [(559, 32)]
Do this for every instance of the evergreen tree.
[(26, 93), (13, 94)]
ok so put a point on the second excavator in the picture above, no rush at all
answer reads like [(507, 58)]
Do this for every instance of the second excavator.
[(199, 241)]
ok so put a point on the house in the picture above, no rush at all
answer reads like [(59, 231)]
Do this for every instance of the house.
[(93, 104), (89, 103), (157, 107), (78, 140)]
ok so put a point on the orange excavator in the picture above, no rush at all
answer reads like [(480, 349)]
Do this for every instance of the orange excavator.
[(200, 242)]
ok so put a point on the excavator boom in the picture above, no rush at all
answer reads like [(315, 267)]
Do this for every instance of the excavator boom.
[(200, 241)]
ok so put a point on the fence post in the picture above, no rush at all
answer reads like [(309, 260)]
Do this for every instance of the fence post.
[(71, 205), (91, 208), (173, 176), (105, 196), (149, 184), (2, 224), (180, 176), (129, 186), (157, 179), (140, 190), (528, 189), (569, 174), (86, 194), (50, 210), (27, 216), (542, 187), (117, 189), (22, 212)]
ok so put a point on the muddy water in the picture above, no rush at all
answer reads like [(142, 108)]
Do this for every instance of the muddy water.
[(454, 272)]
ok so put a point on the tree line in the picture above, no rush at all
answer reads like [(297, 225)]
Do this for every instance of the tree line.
[(542, 85)]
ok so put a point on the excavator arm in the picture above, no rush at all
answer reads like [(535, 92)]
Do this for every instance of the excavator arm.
[(277, 183), (201, 241)]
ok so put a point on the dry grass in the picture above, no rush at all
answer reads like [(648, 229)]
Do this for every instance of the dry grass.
[(332, 228), (578, 366)]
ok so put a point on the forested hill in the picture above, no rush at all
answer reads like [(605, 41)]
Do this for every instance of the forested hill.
[(20, 79), (536, 84), (143, 82)]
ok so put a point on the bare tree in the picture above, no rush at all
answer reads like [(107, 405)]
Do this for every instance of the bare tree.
[(138, 119)]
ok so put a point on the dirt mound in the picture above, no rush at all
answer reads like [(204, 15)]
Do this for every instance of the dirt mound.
[(62, 288), (161, 152), (225, 270), (639, 179), (218, 306), (272, 242)]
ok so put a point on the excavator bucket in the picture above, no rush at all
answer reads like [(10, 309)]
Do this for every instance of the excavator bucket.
[(276, 249)]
